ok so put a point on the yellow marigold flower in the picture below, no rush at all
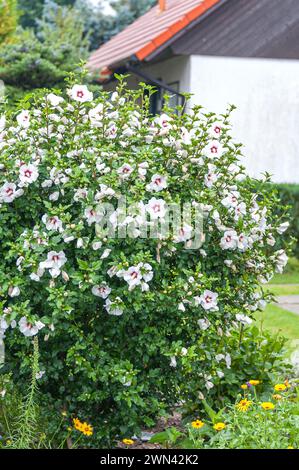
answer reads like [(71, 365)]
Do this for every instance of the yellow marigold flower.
[(243, 405), (197, 424), (77, 424), (267, 405), (244, 386), (254, 382), (287, 383), (87, 429), (128, 442), (219, 426), (276, 396), (280, 387)]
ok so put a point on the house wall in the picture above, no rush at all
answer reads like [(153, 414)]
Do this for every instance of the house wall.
[(170, 70), (266, 93)]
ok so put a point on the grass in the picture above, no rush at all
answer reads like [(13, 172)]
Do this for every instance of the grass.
[(287, 278), (283, 289), (277, 320)]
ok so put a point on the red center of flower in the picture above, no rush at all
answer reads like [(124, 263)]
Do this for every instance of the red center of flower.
[(208, 299), (134, 275), (80, 94), (27, 173), (217, 130), (9, 191), (156, 208), (55, 258), (214, 149)]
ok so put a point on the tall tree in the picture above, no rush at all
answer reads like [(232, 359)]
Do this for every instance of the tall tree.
[(30, 10), (43, 59), (8, 19)]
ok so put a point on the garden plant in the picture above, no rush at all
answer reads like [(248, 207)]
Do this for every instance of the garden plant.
[(133, 314)]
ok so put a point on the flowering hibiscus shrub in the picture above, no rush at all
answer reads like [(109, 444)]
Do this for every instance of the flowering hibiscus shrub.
[(125, 313)]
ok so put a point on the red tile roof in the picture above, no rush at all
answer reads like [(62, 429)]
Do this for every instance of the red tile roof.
[(149, 32)]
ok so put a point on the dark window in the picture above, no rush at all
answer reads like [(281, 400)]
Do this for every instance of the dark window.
[(158, 98)]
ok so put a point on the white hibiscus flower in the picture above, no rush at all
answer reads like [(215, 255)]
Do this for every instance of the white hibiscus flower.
[(102, 290), (28, 173), (156, 208), (158, 183), (23, 119), (211, 177), (184, 234), (244, 319), (281, 259), (55, 260), (133, 276), (164, 123), (231, 200), (9, 192), (96, 115), (283, 227), (54, 100), (114, 307), (80, 193), (93, 215), (14, 291), (52, 222), (208, 300), (242, 242), (216, 129), (204, 323), (81, 93), (30, 329), (229, 241), (240, 210), (213, 149), (125, 170)]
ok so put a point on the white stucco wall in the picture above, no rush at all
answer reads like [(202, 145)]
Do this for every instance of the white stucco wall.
[(266, 93)]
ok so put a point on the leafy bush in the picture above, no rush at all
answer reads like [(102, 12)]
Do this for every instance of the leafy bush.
[(289, 197), (254, 421), (132, 321)]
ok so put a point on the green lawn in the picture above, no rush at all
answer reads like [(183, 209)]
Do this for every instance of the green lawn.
[(287, 278), (283, 289), (277, 320)]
